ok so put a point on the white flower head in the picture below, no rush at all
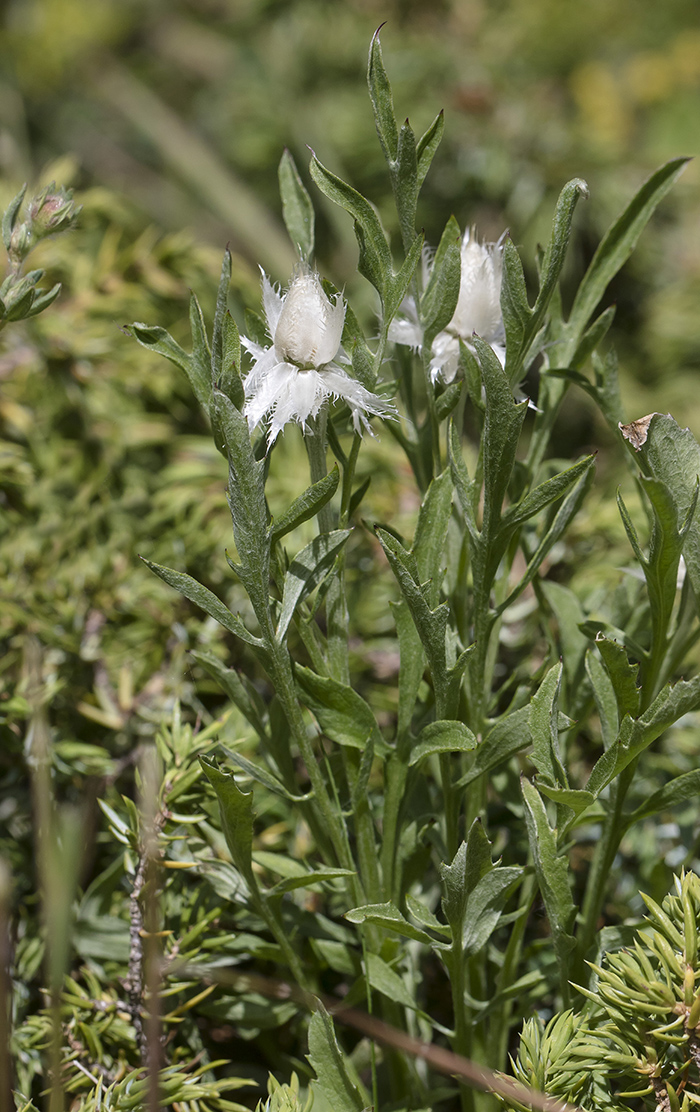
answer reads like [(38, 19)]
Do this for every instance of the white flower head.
[(299, 372), (478, 309)]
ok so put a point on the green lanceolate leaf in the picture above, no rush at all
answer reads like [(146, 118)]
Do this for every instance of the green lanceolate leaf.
[(297, 209), (333, 1079), (306, 506), (10, 215), (623, 676), (229, 380), (342, 713), (382, 101), (412, 666), (425, 916), (604, 697), (635, 735), (263, 776), (226, 342), (306, 571), (43, 300), (375, 257), (552, 875), (474, 894), (428, 144), (671, 454), (556, 248), (158, 340), (485, 905), (577, 800), (547, 492), (593, 336), (431, 532), (562, 519), (502, 424), (446, 403), (321, 875), (236, 809), (238, 688), (445, 736), (199, 594), (516, 310), (631, 531), (439, 300), (201, 352), (404, 179), (356, 346), (455, 892), (478, 859), (544, 730), (668, 798), (506, 738), (219, 314), (464, 485), (620, 240), (666, 543), (246, 473), (385, 980), (397, 284), (387, 915), (431, 624)]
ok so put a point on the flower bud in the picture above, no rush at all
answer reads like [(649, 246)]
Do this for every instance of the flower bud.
[(20, 242), (309, 327), (51, 211)]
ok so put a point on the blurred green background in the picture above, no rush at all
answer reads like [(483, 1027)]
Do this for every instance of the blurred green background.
[(185, 106)]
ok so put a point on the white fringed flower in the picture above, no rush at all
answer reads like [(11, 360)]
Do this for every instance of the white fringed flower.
[(478, 309), (293, 378)]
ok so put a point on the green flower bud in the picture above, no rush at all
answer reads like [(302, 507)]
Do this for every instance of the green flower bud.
[(53, 210)]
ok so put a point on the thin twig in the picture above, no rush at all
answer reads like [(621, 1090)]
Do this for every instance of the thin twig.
[(138, 932), (437, 1057)]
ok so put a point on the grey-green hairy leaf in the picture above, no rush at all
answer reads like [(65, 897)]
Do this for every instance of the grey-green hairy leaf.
[(445, 736), (297, 208), (306, 506), (327, 1060), (342, 713), (306, 571), (236, 809)]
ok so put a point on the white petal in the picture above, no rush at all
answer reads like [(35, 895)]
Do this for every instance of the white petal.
[(330, 342), (272, 303), (360, 400), (405, 331), (255, 349), (267, 359), (263, 398), (445, 357), (479, 303)]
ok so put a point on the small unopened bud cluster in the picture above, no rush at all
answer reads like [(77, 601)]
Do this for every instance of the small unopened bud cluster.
[(50, 211), (53, 210)]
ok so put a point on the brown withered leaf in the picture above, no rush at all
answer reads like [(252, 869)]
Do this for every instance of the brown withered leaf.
[(637, 431)]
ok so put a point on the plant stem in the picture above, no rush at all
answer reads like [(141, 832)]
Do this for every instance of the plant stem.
[(596, 886), (451, 800), (462, 1038), (284, 685), (500, 1020)]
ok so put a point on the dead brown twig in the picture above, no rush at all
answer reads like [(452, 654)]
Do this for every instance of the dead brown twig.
[(437, 1057)]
